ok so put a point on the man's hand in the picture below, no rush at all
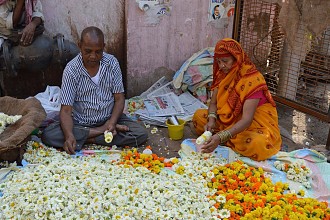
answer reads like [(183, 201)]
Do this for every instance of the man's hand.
[(70, 145), (111, 128), (27, 34)]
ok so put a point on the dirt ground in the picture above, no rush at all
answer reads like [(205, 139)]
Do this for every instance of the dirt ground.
[(298, 131)]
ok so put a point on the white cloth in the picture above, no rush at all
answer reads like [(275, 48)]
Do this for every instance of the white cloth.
[(96, 78), (196, 57)]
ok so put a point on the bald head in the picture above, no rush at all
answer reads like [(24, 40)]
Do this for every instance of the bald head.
[(91, 46), (92, 33)]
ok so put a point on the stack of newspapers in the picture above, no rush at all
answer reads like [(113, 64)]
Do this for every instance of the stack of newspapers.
[(161, 102)]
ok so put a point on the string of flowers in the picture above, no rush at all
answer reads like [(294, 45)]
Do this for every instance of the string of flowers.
[(296, 171), (6, 120)]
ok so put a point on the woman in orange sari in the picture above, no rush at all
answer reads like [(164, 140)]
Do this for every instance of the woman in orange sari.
[(242, 113)]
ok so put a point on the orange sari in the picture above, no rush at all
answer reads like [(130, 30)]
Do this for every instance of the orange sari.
[(262, 139)]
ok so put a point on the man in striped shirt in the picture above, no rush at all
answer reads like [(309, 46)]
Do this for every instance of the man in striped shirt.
[(92, 100)]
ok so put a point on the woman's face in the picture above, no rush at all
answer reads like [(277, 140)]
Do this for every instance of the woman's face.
[(225, 63)]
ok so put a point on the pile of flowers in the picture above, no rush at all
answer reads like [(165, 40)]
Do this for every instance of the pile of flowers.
[(91, 188), (248, 194), (148, 160), (139, 186), (296, 171), (6, 120), (37, 153)]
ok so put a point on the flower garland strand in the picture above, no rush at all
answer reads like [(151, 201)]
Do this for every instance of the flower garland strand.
[(296, 171)]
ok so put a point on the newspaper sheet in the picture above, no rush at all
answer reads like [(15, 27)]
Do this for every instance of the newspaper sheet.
[(144, 116), (167, 88), (164, 105), (161, 82), (190, 104)]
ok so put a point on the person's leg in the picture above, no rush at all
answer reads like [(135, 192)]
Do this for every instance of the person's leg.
[(136, 135), (200, 120), (53, 135)]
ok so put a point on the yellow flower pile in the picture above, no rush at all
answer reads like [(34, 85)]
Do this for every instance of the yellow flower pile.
[(250, 195)]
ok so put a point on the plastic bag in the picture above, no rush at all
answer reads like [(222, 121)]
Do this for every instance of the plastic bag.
[(50, 99), (51, 102)]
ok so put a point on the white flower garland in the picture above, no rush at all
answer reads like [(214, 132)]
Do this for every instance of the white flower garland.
[(6, 120), (296, 171), (206, 136), (108, 136)]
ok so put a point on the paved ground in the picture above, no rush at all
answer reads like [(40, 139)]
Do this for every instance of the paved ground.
[(164, 146)]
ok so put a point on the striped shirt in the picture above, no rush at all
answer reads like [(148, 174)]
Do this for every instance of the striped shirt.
[(91, 103)]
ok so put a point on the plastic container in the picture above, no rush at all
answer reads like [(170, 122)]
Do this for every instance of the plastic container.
[(175, 132)]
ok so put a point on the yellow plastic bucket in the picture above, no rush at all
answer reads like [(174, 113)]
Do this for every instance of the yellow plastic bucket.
[(175, 132)]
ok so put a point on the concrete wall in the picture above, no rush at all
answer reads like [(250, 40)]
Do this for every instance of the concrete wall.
[(71, 17), (151, 50), (150, 47)]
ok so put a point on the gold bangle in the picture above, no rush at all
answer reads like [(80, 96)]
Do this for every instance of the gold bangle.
[(224, 136), (228, 133), (220, 135)]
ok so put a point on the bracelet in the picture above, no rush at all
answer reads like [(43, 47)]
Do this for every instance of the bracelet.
[(212, 115), (224, 136)]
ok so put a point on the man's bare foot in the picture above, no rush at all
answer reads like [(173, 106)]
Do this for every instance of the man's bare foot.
[(121, 127)]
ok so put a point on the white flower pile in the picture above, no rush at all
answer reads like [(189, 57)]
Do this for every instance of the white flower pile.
[(6, 120), (296, 171), (62, 187), (198, 167)]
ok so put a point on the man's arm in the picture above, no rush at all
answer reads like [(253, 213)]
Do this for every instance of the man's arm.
[(29, 30), (116, 112), (18, 11), (67, 128)]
